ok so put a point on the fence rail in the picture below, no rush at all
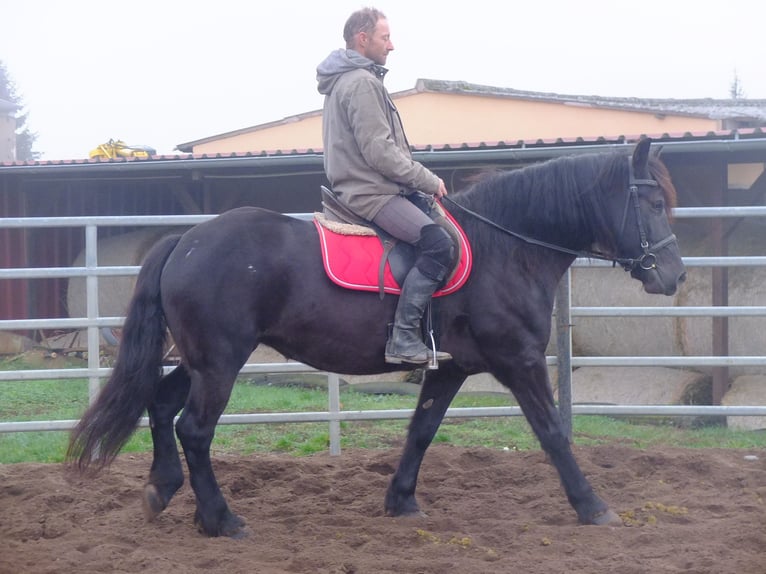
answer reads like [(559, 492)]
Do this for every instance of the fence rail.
[(334, 415)]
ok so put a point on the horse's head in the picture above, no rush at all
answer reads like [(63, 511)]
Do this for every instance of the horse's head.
[(646, 245)]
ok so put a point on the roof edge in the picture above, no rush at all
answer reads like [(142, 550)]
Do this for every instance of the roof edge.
[(460, 86), (726, 139)]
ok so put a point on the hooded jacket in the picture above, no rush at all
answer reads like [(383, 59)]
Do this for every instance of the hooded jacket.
[(367, 157)]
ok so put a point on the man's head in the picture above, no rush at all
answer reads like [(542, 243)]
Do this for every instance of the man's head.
[(366, 31)]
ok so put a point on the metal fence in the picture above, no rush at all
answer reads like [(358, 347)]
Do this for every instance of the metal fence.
[(564, 360)]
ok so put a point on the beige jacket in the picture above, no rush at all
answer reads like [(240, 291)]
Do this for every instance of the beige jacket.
[(366, 155)]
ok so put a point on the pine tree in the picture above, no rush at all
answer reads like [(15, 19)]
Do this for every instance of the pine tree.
[(25, 139)]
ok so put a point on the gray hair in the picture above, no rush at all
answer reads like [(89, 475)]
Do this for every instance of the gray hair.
[(363, 20)]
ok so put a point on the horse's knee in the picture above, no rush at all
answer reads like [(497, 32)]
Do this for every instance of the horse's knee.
[(556, 441)]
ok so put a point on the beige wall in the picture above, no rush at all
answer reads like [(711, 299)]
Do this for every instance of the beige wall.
[(449, 118), (436, 118), (301, 133)]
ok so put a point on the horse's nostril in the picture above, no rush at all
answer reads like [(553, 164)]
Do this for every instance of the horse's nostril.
[(682, 277)]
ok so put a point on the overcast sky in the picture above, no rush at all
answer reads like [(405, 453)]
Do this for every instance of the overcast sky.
[(167, 72)]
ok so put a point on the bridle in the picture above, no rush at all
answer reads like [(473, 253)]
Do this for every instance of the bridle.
[(647, 261)]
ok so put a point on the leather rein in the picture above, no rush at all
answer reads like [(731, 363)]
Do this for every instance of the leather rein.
[(647, 261)]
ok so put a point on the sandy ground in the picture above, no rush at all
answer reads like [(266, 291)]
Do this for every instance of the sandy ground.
[(489, 511)]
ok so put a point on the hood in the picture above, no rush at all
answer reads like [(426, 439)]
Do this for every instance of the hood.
[(339, 62)]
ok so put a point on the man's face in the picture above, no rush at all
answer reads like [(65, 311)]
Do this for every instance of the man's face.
[(377, 44)]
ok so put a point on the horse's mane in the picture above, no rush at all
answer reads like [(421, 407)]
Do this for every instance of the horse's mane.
[(559, 201)]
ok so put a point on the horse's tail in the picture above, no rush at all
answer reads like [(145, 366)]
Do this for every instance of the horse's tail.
[(111, 420)]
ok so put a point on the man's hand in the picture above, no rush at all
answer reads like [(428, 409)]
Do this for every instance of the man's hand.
[(442, 191)]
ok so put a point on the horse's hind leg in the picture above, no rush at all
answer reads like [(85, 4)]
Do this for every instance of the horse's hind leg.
[(166, 475), (210, 391), (533, 392), (436, 394)]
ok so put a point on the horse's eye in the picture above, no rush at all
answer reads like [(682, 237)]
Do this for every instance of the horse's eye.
[(659, 205)]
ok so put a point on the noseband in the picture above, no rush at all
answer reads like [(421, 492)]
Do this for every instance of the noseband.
[(647, 261)]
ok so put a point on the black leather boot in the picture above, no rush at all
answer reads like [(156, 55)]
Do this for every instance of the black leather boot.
[(405, 345)]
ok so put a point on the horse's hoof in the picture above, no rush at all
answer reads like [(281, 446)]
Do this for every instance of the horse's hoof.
[(232, 526), (606, 518), (152, 503), (240, 533)]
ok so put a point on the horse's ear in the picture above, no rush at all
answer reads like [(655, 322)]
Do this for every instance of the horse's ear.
[(641, 154)]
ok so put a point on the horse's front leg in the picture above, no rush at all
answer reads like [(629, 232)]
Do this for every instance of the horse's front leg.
[(436, 394), (530, 385), (166, 475)]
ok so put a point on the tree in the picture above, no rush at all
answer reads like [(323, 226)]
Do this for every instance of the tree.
[(735, 88), (25, 139)]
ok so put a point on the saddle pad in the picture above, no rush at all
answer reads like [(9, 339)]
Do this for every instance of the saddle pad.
[(353, 261)]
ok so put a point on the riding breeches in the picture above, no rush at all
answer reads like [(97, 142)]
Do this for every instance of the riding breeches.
[(405, 221)]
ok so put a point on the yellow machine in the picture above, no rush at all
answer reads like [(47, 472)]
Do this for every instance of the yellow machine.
[(118, 148)]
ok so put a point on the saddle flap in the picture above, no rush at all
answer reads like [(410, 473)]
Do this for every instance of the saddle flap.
[(356, 260)]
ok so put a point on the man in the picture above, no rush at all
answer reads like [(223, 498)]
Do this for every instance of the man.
[(368, 162)]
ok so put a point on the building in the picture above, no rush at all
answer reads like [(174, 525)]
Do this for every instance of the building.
[(438, 113)]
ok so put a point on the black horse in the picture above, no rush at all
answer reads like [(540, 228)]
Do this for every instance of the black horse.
[(252, 276)]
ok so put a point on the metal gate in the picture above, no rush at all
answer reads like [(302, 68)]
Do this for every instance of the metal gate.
[(564, 360)]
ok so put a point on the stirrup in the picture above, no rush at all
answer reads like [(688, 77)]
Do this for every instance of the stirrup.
[(433, 365)]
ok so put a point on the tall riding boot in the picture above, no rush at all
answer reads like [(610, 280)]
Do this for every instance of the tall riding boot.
[(405, 345)]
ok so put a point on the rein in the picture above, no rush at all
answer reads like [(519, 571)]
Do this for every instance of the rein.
[(647, 261)]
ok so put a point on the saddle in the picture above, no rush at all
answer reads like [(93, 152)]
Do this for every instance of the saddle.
[(359, 255)]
